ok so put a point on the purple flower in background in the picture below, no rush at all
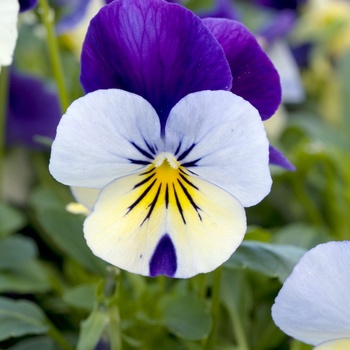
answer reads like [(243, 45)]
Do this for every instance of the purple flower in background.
[(33, 110), (168, 145), (27, 4), (281, 4)]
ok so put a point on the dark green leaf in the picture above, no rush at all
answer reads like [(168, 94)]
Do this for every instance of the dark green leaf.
[(11, 220), (18, 318)]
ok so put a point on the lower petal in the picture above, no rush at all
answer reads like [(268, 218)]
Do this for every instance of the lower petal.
[(151, 226), (339, 344)]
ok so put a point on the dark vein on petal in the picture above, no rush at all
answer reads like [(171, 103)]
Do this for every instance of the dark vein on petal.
[(142, 151), (147, 172), (179, 205), (189, 182), (149, 147), (185, 153), (152, 205), (136, 161), (178, 149), (144, 181), (166, 196), (144, 193), (189, 197), (192, 163)]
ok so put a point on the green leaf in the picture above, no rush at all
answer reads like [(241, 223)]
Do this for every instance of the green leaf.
[(32, 277), (82, 297), (65, 230), (16, 251), (19, 318), (273, 260), (187, 317), (11, 220), (35, 343), (92, 329)]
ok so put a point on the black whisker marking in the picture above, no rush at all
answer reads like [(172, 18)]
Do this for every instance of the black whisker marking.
[(185, 153), (144, 181), (192, 163), (178, 149), (142, 151), (149, 147), (136, 161), (166, 196), (152, 205), (144, 193), (147, 172), (189, 182), (189, 197), (179, 205)]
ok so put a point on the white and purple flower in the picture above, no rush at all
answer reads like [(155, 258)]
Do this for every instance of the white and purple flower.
[(168, 145), (314, 303)]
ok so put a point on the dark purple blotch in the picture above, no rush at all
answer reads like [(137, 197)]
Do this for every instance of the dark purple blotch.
[(25, 5), (163, 261)]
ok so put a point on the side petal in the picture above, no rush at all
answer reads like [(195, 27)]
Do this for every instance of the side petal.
[(254, 76), (158, 50), (104, 135), (224, 142), (164, 226), (277, 158), (314, 302), (8, 30)]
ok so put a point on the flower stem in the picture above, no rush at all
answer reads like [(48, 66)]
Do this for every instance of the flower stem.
[(58, 338), (3, 111), (48, 20), (215, 308)]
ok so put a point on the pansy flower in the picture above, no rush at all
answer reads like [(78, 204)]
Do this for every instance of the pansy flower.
[(314, 303), (161, 151)]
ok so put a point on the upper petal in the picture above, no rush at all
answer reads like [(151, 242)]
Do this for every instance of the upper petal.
[(158, 50), (254, 76), (314, 302), (104, 135), (8, 30), (223, 142)]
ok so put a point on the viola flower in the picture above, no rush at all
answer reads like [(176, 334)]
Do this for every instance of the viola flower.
[(281, 4), (313, 305), (8, 30), (169, 163), (26, 5), (33, 111)]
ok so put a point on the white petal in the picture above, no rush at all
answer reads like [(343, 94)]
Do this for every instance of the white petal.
[(340, 344), (227, 142), (8, 30), (314, 302), (104, 135), (160, 222)]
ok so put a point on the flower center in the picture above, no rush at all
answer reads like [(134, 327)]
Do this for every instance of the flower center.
[(166, 160)]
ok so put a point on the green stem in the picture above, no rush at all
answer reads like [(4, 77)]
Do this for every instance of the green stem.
[(215, 309), (47, 18), (239, 332), (58, 338), (3, 112)]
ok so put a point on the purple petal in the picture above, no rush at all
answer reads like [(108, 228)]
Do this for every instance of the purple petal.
[(254, 76), (27, 5), (277, 158), (158, 50), (279, 26), (221, 9), (163, 261), (33, 110), (281, 4)]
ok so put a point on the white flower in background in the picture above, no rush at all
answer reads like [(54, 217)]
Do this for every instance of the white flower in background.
[(313, 305), (8, 30)]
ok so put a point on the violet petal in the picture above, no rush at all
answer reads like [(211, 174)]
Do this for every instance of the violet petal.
[(158, 50), (27, 5), (278, 158), (254, 76)]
